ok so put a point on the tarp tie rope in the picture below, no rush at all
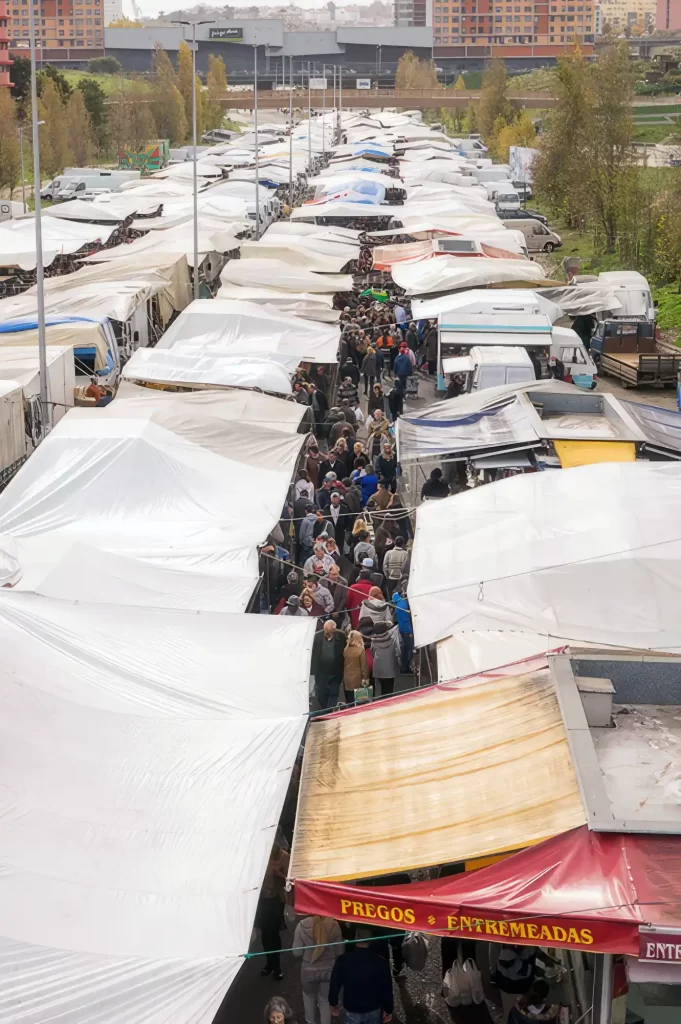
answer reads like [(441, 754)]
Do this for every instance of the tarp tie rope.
[(323, 945)]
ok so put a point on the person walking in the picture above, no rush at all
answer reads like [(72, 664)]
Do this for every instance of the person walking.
[(269, 917), (405, 627), (431, 346), (403, 366), (277, 1011), (386, 465), (435, 486), (361, 978), (369, 369), (327, 663), (337, 586), (376, 608), (313, 944), (379, 431), (355, 667), (376, 401), (393, 562), (385, 648), (306, 534), (396, 400), (357, 594)]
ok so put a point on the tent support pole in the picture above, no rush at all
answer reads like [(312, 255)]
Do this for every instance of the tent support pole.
[(602, 999)]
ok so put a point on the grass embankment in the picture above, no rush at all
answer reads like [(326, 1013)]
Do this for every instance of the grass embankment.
[(109, 84)]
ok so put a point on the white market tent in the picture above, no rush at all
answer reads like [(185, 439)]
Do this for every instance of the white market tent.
[(173, 241), (305, 305), (296, 255), (583, 555), (158, 500), (60, 238), (484, 300), (224, 327), (449, 274), (169, 366), (261, 273), (143, 782)]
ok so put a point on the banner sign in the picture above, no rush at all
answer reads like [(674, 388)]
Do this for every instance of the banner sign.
[(350, 903), (363, 83), (662, 947), (234, 35), (318, 83)]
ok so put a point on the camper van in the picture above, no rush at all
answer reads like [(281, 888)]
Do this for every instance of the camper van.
[(497, 364), (633, 291), (522, 327), (538, 236)]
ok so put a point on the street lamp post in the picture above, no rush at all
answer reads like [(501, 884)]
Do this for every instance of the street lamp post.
[(309, 119), (39, 270), (340, 104), (23, 175), (324, 110), (255, 129), (195, 175), (290, 133)]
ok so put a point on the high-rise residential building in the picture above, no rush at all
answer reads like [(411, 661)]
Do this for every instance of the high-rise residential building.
[(540, 27), (623, 15), (113, 10), (5, 60), (64, 29), (409, 13), (668, 15)]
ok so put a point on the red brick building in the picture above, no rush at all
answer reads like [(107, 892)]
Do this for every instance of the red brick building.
[(5, 60)]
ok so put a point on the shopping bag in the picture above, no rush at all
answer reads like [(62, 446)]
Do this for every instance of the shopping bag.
[(456, 987), (364, 694), (415, 951), (474, 979)]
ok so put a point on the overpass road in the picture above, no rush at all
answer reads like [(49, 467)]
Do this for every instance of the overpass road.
[(408, 99)]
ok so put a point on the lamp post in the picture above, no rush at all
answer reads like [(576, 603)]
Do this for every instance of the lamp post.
[(195, 175), (290, 133), (324, 111), (39, 270), (309, 119), (340, 104), (255, 129), (23, 175)]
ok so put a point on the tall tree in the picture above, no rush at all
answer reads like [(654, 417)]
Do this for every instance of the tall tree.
[(10, 161), (521, 133), (55, 151), (131, 121), (460, 84), (216, 82), (558, 171), (413, 73), (169, 109), (94, 98), (20, 76), (494, 103), (185, 75), (79, 129), (608, 144)]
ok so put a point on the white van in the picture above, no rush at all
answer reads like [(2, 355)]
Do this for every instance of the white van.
[(499, 187), (498, 364), (633, 291), (538, 236), (82, 188)]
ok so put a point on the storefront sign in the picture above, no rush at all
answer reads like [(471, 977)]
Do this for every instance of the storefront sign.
[(233, 35), (363, 83), (337, 901), (660, 947)]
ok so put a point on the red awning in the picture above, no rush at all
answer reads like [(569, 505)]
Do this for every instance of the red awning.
[(580, 890)]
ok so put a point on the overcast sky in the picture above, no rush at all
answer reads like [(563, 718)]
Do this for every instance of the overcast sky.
[(152, 8)]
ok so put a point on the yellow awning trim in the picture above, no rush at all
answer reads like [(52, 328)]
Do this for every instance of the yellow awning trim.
[(589, 453)]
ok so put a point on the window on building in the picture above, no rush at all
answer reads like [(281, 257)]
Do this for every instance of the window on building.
[(79, 32), (61, 32), (570, 17)]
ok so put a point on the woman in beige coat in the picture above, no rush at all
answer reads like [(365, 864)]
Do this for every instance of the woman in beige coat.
[(355, 668)]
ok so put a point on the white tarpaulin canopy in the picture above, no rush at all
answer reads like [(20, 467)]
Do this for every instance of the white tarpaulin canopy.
[(173, 241), (494, 301), (168, 366), (142, 783), (450, 274), (170, 494), (317, 307), (60, 238), (588, 555), (303, 255), (224, 327), (114, 289), (262, 273)]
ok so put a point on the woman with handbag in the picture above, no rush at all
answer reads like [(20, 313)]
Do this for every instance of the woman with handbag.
[(355, 668), (311, 943)]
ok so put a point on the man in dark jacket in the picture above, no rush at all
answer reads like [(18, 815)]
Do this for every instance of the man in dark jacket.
[(327, 663), (349, 369), (403, 368), (363, 978), (337, 586), (430, 345)]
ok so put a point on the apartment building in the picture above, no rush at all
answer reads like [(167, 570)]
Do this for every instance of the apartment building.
[(62, 27), (413, 13), (621, 15), (509, 22), (5, 60)]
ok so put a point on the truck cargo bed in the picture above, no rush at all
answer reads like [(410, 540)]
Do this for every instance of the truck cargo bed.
[(634, 369)]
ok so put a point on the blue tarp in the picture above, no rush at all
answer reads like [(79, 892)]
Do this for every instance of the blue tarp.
[(16, 326)]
